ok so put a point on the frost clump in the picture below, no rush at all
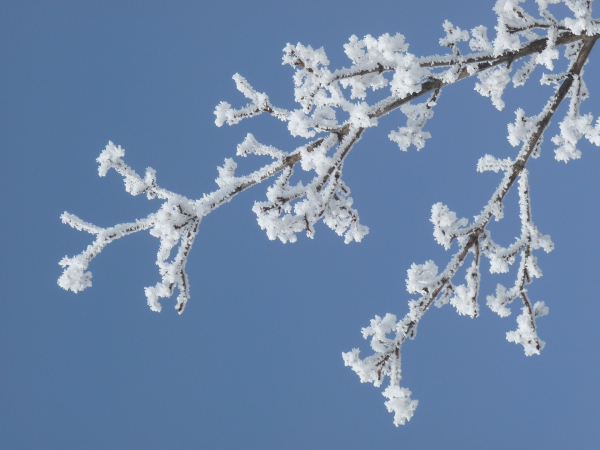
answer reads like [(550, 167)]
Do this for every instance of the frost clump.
[(75, 278), (492, 83), (400, 403), (526, 334), (412, 133), (445, 224), (421, 277)]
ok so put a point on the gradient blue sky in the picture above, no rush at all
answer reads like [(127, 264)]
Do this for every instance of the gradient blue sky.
[(255, 361)]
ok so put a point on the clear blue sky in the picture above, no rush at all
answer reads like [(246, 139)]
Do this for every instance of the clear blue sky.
[(255, 361)]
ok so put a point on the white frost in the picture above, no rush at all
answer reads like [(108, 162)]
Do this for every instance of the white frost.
[(400, 404)]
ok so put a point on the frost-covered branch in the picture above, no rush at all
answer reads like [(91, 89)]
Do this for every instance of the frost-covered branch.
[(438, 288), (333, 115)]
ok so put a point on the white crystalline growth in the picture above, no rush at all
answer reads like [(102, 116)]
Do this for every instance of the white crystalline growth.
[(583, 17), (479, 41), (412, 133), (526, 334), (550, 53), (490, 163), (522, 74), (75, 278), (453, 35), (572, 129), (383, 52), (400, 403), (465, 296), (379, 328), (407, 76), (445, 224), (498, 302), (366, 371), (421, 277), (521, 129), (492, 83), (109, 156)]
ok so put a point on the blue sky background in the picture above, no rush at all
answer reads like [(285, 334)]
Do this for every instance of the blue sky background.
[(255, 360)]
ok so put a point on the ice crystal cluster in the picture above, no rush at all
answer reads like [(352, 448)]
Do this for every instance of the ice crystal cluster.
[(522, 40)]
